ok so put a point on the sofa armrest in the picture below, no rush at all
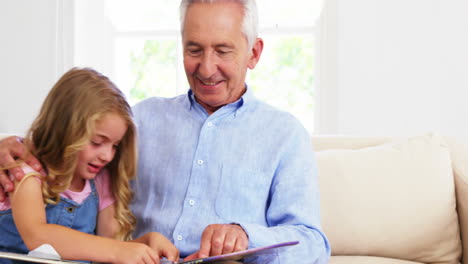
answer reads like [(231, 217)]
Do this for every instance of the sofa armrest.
[(459, 156)]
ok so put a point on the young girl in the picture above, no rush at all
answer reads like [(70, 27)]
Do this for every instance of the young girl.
[(85, 138)]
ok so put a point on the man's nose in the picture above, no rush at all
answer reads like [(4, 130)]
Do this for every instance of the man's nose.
[(208, 65)]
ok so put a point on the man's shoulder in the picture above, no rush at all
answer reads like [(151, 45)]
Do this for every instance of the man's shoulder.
[(270, 113)]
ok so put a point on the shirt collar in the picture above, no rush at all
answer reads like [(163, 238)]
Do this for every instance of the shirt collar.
[(240, 105)]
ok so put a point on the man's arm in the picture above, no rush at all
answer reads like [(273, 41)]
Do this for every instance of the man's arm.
[(294, 209), (11, 148)]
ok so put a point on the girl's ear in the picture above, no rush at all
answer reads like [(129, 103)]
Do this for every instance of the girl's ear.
[(256, 53)]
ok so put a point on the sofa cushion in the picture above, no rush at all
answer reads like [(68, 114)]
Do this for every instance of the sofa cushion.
[(367, 260), (394, 200)]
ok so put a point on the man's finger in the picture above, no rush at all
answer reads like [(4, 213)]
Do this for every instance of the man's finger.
[(7, 162), (240, 245), (229, 242), (205, 243), (17, 172), (11, 148), (2, 194), (242, 240), (33, 162), (6, 185), (217, 242)]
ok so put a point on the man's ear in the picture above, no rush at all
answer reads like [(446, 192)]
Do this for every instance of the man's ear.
[(256, 53)]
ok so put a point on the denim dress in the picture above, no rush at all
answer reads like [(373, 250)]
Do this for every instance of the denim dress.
[(68, 213)]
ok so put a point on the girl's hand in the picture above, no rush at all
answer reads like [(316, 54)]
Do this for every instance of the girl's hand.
[(162, 246), (135, 253)]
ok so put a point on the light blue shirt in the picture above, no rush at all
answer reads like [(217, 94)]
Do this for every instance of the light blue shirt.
[(247, 163)]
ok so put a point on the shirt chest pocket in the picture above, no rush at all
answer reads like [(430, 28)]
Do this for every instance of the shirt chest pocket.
[(242, 195)]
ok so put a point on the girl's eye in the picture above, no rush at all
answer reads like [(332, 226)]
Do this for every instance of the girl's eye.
[(115, 146), (95, 143)]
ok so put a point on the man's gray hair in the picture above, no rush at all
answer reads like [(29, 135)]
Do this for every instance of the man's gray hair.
[(249, 23)]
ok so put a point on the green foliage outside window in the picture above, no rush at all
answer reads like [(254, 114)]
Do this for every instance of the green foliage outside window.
[(284, 76), (154, 69)]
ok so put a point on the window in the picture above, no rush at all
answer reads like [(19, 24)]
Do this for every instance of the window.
[(143, 54)]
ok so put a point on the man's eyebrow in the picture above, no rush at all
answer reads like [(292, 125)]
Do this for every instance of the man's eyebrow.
[(191, 43), (225, 45), (220, 45)]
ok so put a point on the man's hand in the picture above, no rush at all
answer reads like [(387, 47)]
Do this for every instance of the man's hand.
[(221, 239), (11, 149)]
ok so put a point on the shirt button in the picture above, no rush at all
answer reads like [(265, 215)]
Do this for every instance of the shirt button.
[(191, 202), (200, 162), (210, 124), (179, 237)]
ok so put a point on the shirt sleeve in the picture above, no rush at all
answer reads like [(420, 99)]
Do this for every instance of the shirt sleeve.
[(103, 188), (27, 170), (293, 212)]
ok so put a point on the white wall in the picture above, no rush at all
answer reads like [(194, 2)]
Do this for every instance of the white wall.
[(397, 67), (31, 58)]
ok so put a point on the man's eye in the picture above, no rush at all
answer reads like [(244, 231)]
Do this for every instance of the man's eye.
[(223, 52), (194, 51)]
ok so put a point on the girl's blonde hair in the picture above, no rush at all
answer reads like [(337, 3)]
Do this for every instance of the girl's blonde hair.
[(65, 125)]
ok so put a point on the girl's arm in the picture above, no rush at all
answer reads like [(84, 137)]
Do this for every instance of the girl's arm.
[(107, 226), (30, 219)]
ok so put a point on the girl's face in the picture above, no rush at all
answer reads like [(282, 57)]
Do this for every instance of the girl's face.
[(100, 150)]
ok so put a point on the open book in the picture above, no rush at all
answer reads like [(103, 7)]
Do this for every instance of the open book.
[(240, 255), (42, 254), (25, 257)]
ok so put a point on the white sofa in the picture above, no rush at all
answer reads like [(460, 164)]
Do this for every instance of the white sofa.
[(386, 200)]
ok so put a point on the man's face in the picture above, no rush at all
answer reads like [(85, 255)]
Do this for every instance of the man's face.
[(216, 55)]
